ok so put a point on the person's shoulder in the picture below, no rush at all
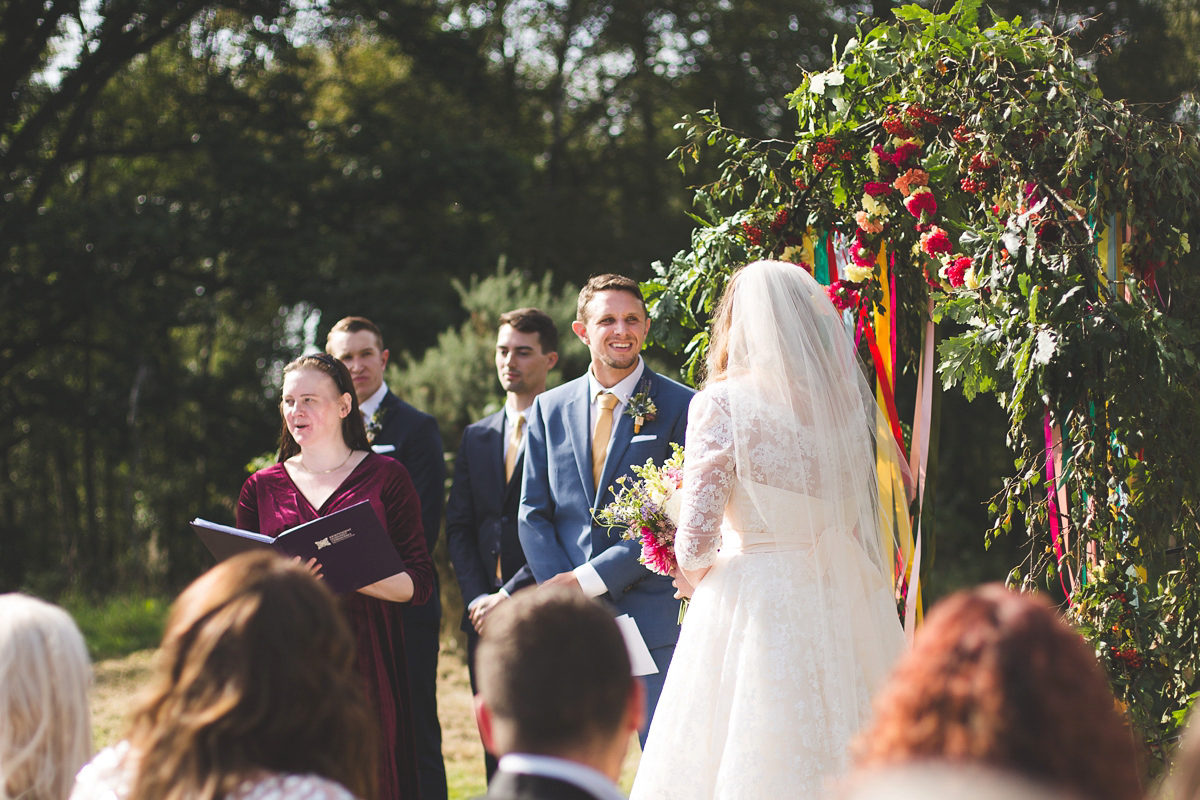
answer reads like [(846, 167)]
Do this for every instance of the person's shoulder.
[(672, 386), (275, 472), (406, 409), (390, 468), (486, 423), (109, 774), (560, 393), (291, 787)]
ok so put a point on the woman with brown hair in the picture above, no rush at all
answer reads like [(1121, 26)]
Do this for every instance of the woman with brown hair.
[(997, 679), (792, 625), (254, 698), (325, 464)]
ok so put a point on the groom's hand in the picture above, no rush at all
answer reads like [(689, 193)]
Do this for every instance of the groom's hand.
[(567, 579), (479, 611)]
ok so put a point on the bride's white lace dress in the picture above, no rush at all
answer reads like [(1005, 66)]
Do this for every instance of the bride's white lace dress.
[(794, 625)]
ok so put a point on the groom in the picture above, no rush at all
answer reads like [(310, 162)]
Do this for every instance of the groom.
[(582, 436)]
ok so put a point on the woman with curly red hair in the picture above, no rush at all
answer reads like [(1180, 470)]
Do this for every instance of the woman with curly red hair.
[(997, 679)]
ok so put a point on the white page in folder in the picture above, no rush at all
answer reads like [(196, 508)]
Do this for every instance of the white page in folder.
[(639, 654)]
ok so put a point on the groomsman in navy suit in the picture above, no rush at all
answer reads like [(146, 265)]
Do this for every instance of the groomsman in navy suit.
[(481, 516), (396, 429), (584, 435)]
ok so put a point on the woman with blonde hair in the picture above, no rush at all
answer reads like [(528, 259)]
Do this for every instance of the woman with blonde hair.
[(45, 725), (255, 697)]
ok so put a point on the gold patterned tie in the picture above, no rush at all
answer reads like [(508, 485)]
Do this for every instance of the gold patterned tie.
[(514, 446), (603, 432)]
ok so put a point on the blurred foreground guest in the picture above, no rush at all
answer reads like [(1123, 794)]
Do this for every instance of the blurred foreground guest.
[(932, 781), (325, 465), (557, 701), (45, 726), (255, 697), (997, 679), (1183, 781)]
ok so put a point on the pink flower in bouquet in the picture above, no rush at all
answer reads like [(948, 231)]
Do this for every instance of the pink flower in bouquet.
[(868, 224), (911, 180), (656, 555), (936, 242), (877, 188), (921, 201)]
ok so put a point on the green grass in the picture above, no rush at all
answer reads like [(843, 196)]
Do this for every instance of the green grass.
[(118, 625)]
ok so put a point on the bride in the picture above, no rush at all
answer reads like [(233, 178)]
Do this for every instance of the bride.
[(792, 623)]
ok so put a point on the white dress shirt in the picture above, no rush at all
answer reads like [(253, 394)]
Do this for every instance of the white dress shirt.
[(589, 580), (369, 406), (591, 781)]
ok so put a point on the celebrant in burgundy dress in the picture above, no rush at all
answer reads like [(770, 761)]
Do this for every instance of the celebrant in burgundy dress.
[(325, 465)]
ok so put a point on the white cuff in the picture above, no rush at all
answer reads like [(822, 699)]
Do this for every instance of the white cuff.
[(590, 581), (503, 592)]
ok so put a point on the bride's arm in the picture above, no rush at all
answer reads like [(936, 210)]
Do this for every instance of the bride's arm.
[(708, 472)]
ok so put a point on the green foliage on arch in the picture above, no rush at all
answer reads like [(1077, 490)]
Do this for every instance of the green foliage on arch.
[(1035, 188)]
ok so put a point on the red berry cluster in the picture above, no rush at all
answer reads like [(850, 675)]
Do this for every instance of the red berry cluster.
[(896, 127), (962, 134), (800, 184), (922, 114), (781, 219), (982, 162), (973, 184), (754, 234), (1129, 656)]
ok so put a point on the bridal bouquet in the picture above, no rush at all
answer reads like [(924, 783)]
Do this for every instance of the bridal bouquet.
[(647, 510)]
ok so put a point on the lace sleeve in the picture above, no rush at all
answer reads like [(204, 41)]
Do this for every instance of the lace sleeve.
[(708, 475)]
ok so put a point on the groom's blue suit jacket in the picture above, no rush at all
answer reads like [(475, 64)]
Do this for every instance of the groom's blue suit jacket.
[(557, 526)]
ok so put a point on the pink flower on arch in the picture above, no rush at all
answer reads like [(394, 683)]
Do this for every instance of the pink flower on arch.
[(957, 270), (921, 201), (868, 224), (936, 242), (905, 152), (842, 296), (911, 180)]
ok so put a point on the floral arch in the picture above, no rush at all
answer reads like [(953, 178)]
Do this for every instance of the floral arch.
[(970, 186)]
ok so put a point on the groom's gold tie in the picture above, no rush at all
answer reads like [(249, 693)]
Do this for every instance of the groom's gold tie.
[(603, 432)]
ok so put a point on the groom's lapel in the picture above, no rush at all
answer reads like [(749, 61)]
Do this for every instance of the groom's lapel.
[(577, 412)]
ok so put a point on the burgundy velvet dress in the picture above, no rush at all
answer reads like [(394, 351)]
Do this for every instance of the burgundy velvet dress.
[(270, 503)]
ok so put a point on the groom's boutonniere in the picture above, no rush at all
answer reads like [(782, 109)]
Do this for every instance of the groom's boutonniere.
[(375, 424), (641, 407)]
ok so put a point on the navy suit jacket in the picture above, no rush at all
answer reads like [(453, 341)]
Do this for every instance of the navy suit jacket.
[(418, 445), (558, 529), (481, 516), (513, 786)]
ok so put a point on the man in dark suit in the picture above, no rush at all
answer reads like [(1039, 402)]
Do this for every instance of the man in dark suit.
[(583, 436), (557, 701), (481, 516), (396, 429)]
